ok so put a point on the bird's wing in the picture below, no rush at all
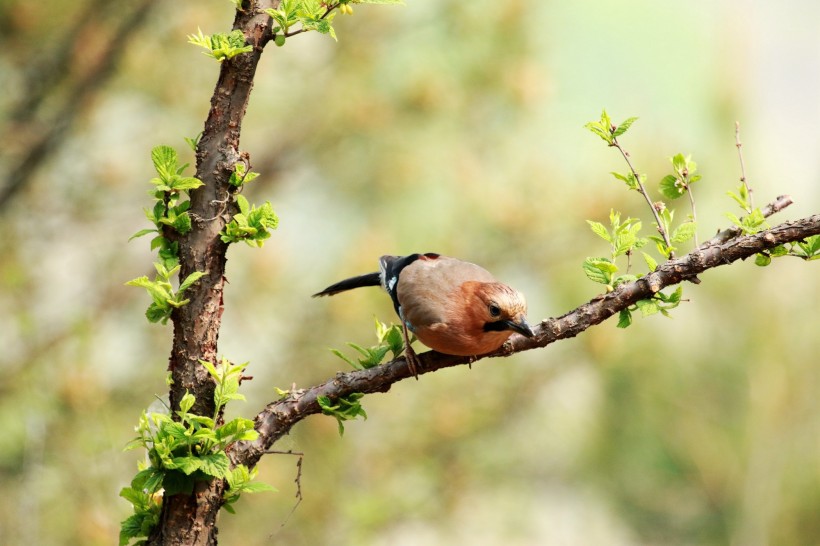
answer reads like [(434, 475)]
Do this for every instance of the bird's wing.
[(428, 288)]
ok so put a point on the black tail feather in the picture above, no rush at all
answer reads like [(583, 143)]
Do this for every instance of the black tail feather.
[(370, 279)]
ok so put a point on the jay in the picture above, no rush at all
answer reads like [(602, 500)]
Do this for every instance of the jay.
[(453, 307)]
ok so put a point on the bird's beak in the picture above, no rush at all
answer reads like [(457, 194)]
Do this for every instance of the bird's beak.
[(521, 326)]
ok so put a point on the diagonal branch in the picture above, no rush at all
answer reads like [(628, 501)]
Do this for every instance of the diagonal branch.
[(56, 128), (278, 417)]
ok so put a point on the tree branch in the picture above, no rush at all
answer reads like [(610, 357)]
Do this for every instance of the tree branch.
[(190, 518), (53, 131), (278, 417)]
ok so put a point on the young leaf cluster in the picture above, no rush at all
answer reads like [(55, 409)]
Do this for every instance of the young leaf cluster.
[(659, 303), (251, 224), (170, 218), (306, 14), (390, 339), (297, 16), (680, 234), (675, 185), (241, 175), (750, 224), (221, 46), (623, 240), (165, 298), (187, 449), (608, 131), (171, 208), (345, 408), (742, 197), (807, 249)]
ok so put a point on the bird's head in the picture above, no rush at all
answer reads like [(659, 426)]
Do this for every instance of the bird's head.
[(501, 308)]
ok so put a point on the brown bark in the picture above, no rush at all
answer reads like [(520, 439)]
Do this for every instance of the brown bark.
[(191, 519)]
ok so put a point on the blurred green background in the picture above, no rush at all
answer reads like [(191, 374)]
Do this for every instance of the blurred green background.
[(446, 126)]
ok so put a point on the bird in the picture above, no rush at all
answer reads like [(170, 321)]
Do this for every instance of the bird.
[(452, 306)]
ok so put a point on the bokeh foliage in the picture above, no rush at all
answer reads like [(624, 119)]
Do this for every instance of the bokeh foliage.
[(444, 126)]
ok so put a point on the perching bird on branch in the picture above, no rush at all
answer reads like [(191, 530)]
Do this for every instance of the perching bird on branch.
[(452, 306)]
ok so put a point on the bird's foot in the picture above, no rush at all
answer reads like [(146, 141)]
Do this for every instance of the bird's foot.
[(413, 362), (409, 354)]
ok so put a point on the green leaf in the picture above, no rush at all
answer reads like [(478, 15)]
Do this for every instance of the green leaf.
[(346, 408), (674, 297), (624, 318), (215, 464), (621, 279), (647, 307), (679, 163), (182, 223), (190, 280), (177, 482), (175, 431), (600, 230), (684, 232), (258, 487), (221, 46), (233, 429), (808, 248), (596, 128), (762, 260), (131, 527), (165, 161), (779, 250), (346, 358), (629, 179), (188, 465), (650, 261), (187, 402), (734, 219), (599, 270), (211, 369), (242, 203), (394, 340), (193, 142), (624, 126), (159, 293), (135, 496), (142, 232), (155, 313), (670, 187), (252, 225), (186, 183)]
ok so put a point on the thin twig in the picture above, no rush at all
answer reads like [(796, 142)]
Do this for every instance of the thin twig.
[(645, 194), (694, 211), (743, 178), (298, 482)]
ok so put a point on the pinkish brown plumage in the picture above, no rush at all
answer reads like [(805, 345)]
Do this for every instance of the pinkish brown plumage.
[(452, 306)]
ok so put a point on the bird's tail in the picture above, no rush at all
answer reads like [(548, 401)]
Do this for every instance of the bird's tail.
[(370, 279)]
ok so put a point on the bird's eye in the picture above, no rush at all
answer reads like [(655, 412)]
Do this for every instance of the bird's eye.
[(495, 311)]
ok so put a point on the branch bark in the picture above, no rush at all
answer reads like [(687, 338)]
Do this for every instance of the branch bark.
[(280, 416)]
